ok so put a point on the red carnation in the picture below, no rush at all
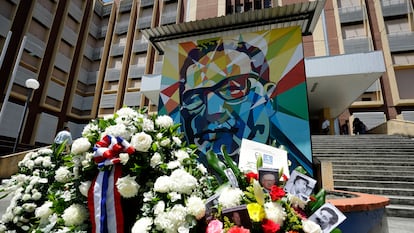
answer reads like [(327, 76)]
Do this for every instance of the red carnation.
[(251, 175), (276, 193), (269, 226), (238, 230)]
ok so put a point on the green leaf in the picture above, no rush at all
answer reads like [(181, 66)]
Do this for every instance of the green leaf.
[(336, 230)]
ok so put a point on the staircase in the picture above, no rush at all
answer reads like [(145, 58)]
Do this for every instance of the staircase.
[(372, 163)]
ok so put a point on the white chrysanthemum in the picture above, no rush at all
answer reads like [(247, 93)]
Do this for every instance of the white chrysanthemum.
[(29, 164), (141, 141), (165, 143), (62, 174), (181, 155), (75, 215), (148, 125), (275, 212), (230, 197), (311, 227), (148, 196), (29, 207), (162, 184), (38, 160), (127, 186), (182, 181), (202, 169), (44, 151), (118, 130), (84, 187), (36, 196), (174, 196), (26, 197), (7, 217), (159, 207), (44, 211), (155, 160), (173, 164), (170, 221), (196, 207), (89, 129), (143, 225), (164, 121), (177, 140), (126, 116), (47, 162), (296, 201), (80, 145)]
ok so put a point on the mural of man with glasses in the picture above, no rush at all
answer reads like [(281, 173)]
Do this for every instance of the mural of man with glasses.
[(225, 102), (226, 94)]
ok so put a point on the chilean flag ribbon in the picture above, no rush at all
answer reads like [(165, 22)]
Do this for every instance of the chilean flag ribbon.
[(104, 200)]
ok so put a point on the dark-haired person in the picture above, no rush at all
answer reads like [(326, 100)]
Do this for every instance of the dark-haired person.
[(300, 187), (326, 218)]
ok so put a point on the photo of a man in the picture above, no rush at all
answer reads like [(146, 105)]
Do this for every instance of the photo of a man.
[(327, 217), (239, 216), (300, 185), (268, 177)]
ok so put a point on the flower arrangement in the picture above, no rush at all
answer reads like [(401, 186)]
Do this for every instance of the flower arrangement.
[(131, 172)]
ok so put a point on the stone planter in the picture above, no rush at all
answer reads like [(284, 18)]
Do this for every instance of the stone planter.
[(365, 212)]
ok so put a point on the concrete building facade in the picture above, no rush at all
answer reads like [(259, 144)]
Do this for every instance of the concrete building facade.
[(89, 56)]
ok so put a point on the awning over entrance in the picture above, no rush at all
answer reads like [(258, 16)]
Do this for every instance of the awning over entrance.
[(304, 14), (335, 82)]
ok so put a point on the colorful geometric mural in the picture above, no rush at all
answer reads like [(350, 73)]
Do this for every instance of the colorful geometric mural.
[(250, 85)]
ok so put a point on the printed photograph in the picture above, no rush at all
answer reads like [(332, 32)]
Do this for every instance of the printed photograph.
[(328, 217), (300, 185), (268, 177), (211, 206), (239, 216)]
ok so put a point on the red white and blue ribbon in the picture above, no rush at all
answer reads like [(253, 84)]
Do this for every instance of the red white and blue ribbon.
[(104, 200)]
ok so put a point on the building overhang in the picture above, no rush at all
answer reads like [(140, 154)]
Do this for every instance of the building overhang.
[(335, 82), (304, 14)]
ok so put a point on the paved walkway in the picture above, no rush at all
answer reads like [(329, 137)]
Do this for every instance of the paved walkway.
[(395, 224)]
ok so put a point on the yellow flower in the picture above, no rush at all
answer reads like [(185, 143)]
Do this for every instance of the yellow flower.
[(256, 212)]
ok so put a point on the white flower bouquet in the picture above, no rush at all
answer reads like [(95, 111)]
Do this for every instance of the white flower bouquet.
[(130, 172)]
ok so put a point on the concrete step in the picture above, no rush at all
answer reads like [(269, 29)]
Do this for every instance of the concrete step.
[(375, 164), (359, 176), (373, 167), (378, 191), (375, 184), (405, 211), (401, 200), (381, 163)]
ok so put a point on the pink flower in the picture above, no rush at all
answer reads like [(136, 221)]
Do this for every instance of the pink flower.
[(214, 226), (238, 230)]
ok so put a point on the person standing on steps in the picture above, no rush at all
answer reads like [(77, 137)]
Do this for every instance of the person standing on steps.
[(359, 127), (325, 126)]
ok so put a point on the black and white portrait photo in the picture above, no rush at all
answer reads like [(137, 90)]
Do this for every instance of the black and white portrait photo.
[(300, 185), (327, 217)]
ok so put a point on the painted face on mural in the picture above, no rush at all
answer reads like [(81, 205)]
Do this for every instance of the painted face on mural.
[(224, 96)]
